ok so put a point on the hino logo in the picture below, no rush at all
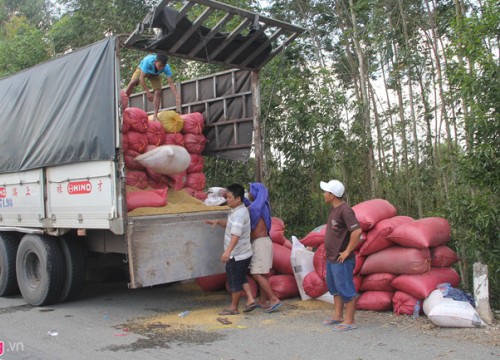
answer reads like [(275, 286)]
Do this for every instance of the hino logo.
[(79, 187), (3, 192)]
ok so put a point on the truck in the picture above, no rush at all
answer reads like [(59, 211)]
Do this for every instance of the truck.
[(62, 171)]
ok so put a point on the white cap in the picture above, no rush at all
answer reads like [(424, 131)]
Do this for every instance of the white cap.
[(333, 186)]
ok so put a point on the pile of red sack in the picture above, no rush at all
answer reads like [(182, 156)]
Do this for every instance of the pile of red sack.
[(399, 261), (162, 154), (281, 276)]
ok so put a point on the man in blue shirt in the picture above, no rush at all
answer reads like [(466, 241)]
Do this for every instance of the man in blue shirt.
[(150, 68)]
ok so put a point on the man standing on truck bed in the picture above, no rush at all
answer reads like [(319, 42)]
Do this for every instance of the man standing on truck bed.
[(150, 68)]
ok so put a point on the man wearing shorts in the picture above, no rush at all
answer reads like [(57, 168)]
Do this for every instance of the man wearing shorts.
[(262, 247), (150, 68), (342, 236), (237, 249)]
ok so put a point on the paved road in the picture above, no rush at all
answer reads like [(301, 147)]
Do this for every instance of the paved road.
[(112, 322)]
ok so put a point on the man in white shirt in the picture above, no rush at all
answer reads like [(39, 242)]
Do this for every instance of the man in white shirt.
[(237, 248)]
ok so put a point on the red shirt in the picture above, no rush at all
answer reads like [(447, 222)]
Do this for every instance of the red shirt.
[(341, 222)]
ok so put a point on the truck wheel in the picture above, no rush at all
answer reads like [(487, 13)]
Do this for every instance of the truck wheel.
[(8, 249), (40, 269), (75, 259)]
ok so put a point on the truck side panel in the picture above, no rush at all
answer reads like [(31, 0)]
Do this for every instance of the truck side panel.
[(83, 195), (22, 198), (164, 249)]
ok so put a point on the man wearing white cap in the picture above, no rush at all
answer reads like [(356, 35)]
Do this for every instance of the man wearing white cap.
[(342, 236)]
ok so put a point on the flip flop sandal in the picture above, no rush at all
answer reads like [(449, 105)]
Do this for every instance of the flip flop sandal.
[(229, 312), (250, 307), (273, 308), (344, 327), (329, 322)]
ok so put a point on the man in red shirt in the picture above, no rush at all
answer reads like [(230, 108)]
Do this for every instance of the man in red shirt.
[(342, 236)]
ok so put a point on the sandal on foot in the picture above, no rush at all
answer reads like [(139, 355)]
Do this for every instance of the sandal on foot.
[(229, 312), (273, 308), (344, 327), (329, 322), (250, 307)]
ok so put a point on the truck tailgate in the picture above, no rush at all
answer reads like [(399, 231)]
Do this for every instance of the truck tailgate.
[(174, 247), (22, 198)]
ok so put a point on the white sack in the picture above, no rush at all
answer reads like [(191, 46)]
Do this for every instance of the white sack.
[(447, 312), (166, 159), (302, 264)]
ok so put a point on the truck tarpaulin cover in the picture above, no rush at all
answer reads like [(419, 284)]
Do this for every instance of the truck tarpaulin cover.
[(59, 112)]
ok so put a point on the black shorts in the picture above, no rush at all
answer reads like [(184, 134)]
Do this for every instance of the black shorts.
[(236, 272)]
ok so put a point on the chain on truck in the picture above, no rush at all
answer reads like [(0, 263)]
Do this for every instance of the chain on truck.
[(62, 173)]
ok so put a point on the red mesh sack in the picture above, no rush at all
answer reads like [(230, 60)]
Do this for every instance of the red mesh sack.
[(421, 285), (403, 303), (422, 233), (137, 178), (155, 133), (146, 198), (189, 191), (376, 238), (314, 285), (193, 123), (319, 261), (281, 260), (177, 182), (375, 301), (358, 280), (370, 212), (174, 139), (277, 223), (130, 162), (196, 181), (398, 260), (124, 99), (124, 142), (136, 119), (378, 282), (137, 141), (284, 286), (443, 256), (316, 237), (153, 175), (158, 183), (212, 282), (360, 260), (194, 144), (196, 164)]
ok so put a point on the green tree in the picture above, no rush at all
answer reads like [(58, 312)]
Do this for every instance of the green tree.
[(22, 45)]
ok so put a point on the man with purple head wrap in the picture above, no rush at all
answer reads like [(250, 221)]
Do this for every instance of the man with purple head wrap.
[(262, 246)]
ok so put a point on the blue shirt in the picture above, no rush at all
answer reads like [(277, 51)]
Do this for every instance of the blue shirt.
[(147, 65)]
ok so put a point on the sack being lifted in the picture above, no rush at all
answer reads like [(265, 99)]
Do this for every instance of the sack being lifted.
[(166, 159)]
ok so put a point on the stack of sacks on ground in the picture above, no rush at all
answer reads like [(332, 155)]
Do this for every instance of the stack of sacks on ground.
[(403, 259), (155, 156), (399, 261), (281, 276)]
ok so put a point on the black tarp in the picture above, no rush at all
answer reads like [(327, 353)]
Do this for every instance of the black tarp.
[(61, 111)]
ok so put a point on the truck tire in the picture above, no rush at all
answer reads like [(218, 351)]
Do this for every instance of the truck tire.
[(40, 269), (75, 260), (8, 249)]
